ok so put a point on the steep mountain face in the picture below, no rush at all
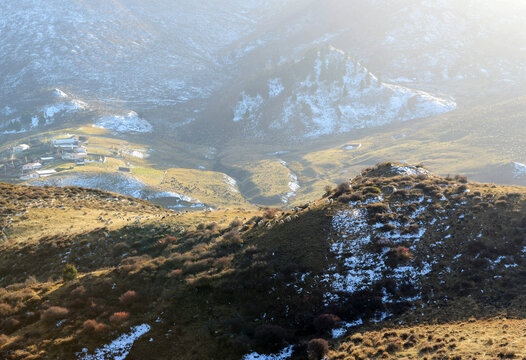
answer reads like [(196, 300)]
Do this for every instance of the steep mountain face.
[(396, 245), (327, 92)]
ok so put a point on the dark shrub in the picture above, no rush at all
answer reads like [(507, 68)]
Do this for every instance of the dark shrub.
[(400, 254), (461, 179), (377, 208), (197, 266), (501, 203), (317, 349), (10, 325), (326, 322), (462, 189), (94, 328), (271, 336), (343, 188), (235, 223), (222, 262), (344, 199), (54, 314), (79, 292)]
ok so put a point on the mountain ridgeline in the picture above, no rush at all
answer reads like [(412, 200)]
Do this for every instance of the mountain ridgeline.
[(326, 92), (362, 272)]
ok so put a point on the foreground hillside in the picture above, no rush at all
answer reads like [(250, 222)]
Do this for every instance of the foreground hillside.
[(397, 262)]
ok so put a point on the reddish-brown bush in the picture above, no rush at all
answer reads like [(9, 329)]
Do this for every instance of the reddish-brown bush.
[(54, 314), (9, 325), (402, 253), (94, 328), (222, 262), (177, 273), (326, 322), (129, 298), (317, 349), (197, 266), (119, 317), (79, 292)]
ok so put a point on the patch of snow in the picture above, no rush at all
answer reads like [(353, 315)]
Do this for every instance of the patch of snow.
[(410, 170), (275, 87), (278, 153), (519, 169), (284, 354), (247, 108), (294, 185), (61, 94), (129, 122), (339, 332), (119, 348), (359, 265), (7, 111), (231, 182)]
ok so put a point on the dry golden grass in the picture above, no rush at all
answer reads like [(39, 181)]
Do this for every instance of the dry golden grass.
[(496, 338)]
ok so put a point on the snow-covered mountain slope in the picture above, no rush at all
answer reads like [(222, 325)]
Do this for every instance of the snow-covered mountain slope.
[(52, 105), (186, 68), (519, 170), (328, 92), (144, 54), (128, 122)]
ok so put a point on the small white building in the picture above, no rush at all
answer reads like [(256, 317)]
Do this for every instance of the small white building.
[(70, 143), (47, 159), (31, 166), (31, 176), (45, 173), (75, 156), (20, 148)]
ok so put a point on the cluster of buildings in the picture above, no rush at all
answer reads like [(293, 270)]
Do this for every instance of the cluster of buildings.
[(71, 149)]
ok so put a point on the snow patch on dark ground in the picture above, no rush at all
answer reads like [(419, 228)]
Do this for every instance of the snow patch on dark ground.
[(119, 348)]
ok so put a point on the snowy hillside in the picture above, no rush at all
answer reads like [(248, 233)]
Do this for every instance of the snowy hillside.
[(55, 104), (126, 52), (328, 92), (188, 68)]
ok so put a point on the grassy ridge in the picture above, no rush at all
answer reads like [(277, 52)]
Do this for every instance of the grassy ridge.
[(219, 284)]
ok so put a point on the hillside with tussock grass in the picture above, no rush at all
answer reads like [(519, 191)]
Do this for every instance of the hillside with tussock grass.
[(395, 263)]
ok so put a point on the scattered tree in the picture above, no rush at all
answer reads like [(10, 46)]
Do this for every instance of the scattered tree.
[(69, 273)]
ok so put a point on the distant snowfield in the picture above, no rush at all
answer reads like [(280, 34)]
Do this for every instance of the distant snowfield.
[(129, 122), (119, 348), (519, 170)]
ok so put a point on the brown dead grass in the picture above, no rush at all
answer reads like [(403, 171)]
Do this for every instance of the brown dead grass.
[(496, 338)]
